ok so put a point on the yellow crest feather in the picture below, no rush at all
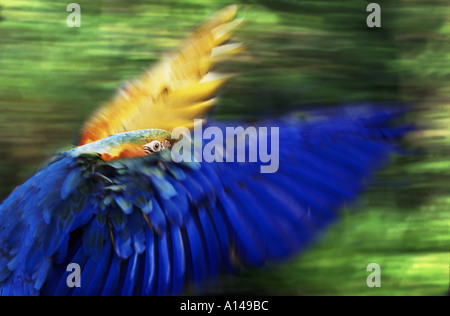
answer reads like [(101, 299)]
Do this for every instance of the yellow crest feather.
[(175, 91)]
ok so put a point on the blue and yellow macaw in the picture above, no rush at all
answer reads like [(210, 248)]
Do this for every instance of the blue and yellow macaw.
[(138, 223)]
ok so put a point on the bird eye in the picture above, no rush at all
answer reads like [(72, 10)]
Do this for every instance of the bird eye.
[(153, 147)]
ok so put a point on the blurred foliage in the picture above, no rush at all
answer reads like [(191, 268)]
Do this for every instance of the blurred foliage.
[(301, 54)]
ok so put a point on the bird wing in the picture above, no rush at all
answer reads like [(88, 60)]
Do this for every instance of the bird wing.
[(175, 91), (150, 225)]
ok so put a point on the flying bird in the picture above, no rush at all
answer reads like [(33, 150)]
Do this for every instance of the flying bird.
[(137, 222)]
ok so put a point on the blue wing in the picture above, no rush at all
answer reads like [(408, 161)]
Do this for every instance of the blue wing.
[(149, 226)]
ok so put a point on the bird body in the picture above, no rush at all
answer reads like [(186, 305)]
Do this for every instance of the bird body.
[(138, 223)]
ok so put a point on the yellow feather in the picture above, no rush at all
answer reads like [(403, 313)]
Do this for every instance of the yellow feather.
[(175, 91)]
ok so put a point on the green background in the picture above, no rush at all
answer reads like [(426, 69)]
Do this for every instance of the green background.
[(301, 54)]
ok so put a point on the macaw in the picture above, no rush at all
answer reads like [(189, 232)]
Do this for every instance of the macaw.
[(138, 223)]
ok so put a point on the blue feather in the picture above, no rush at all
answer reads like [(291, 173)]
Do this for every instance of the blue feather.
[(222, 233), (93, 239), (194, 252), (86, 276), (124, 204), (136, 225), (132, 276), (122, 239), (151, 259), (178, 261), (269, 238), (70, 183), (245, 240), (157, 216), (113, 279), (61, 254), (100, 276), (80, 258), (165, 266), (213, 247)]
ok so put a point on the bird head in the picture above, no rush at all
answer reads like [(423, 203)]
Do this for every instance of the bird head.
[(128, 145)]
